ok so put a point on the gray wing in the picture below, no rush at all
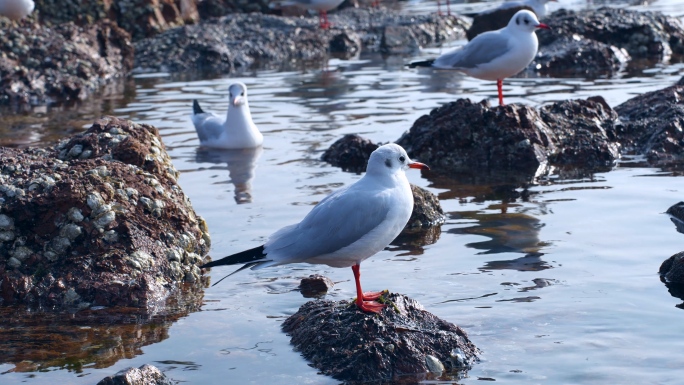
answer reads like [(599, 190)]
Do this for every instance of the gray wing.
[(482, 49), (208, 126), (337, 221)]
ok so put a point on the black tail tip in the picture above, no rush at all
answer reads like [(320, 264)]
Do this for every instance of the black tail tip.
[(423, 63), (196, 109)]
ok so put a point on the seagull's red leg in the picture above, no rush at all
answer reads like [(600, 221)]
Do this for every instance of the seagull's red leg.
[(448, 8), (439, 8), (499, 85), (323, 19), (364, 301)]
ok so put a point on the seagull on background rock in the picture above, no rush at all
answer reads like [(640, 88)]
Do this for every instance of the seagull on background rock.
[(494, 55), (322, 6), (237, 131), (346, 227), (16, 9)]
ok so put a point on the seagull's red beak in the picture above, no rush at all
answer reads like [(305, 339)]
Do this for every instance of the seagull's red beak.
[(238, 101), (418, 165), (542, 25)]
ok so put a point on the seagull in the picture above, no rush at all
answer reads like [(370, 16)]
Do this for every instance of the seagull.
[(238, 131), (322, 6), (16, 9), (494, 55), (538, 6), (346, 227)]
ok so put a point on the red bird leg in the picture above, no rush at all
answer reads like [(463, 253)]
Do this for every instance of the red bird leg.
[(448, 8), (364, 301), (499, 85), (323, 18)]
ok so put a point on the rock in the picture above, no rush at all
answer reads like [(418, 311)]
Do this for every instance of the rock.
[(218, 8), (574, 56), (427, 212), (672, 269), (140, 18), (642, 34), (676, 213), (351, 153), (463, 136), (492, 20), (84, 239), (145, 375), (242, 41), (353, 346), (315, 286), (652, 124), (65, 62), (345, 45)]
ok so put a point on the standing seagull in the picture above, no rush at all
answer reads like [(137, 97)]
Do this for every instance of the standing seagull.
[(495, 55), (16, 9), (322, 6), (238, 130), (347, 226)]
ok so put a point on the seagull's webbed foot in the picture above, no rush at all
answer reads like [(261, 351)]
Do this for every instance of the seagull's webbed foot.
[(373, 295), (370, 306)]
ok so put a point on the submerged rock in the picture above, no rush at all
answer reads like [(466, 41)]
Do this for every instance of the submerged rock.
[(66, 62), (241, 41), (315, 286), (574, 56), (672, 269), (351, 153), (353, 346), (98, 220), (652, 124), (144, 375), (427, 212)]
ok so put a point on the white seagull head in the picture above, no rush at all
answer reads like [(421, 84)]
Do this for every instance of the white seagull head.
[(525, 21), (391, 158), (238, 94)]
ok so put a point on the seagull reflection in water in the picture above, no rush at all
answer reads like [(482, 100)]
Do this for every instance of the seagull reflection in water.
[(240, 164)]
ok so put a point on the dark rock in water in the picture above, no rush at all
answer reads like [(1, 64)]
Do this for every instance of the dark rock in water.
[(427, 211), (66, 62), (676, 213), (99, 220), (241, 41), (583, 133), (672, 269), (140, 18), (652, 124), (642, 34), (568, 57), (464, 136), (492, 20), (351, 153), (315, 286), (145, 375), (345, 45), (353, 346)]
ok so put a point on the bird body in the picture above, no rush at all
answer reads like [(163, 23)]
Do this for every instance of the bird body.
[(237, 131), (346, 227), (16, 9), (495, 55)]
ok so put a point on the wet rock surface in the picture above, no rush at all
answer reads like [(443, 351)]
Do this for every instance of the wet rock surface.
[(144, 375), (652, 124), (463, 136), (97, 221), (672, 269), (140, 18), (228, 43), (641, 34), (40, 64), (573, 56), (427, 212), (403, 340), (315, 286)]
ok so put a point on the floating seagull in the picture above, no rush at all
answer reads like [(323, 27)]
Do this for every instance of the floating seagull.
[(238, 130), (322, 6), (16, 9), (494, 55), (346, 227)]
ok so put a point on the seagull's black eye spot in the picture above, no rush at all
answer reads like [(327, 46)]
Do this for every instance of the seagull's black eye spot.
[(242, 93), (388, 163), (517, 21), (402, 159)]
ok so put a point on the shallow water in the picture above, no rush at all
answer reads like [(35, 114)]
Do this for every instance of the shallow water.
[(559, 288)]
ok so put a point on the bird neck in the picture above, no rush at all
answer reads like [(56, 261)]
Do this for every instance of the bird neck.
[(239, 113)]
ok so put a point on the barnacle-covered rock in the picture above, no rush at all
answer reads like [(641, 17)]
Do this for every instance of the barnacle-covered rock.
[(110, 229)]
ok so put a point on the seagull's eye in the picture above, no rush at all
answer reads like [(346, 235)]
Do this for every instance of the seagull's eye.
[(402, 159), (242, 93)]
